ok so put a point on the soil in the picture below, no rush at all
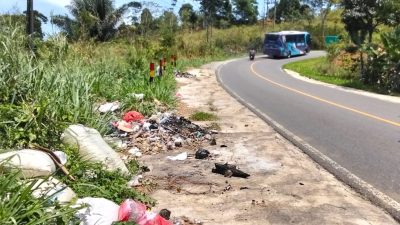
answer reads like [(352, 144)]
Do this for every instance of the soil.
[(285, 186)]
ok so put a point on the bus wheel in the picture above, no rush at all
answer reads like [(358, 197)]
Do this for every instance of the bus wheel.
[(289, 55)]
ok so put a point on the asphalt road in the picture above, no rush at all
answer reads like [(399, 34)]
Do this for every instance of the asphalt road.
[(359, 132)]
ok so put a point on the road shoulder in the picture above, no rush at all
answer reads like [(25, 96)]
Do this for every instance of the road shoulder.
[(285, 185)]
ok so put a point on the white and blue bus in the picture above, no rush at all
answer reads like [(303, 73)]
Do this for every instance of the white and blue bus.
[(287, 43)]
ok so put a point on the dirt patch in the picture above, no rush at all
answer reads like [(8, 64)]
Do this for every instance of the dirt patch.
[(285, 186)]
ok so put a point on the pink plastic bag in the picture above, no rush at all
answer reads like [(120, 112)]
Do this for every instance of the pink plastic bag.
[(133, 116), (131, 210)]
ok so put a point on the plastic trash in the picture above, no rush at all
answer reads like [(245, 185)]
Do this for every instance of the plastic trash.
[(133, 211), (109, 107), (138, 97), (32, 163), (146, 126), (133, 116), (135, 181), (54, 188), (180, 157), (92, 147), (99, 211), (178, 142), (61, 156), (135, 152), (202, 153), (124, 126)]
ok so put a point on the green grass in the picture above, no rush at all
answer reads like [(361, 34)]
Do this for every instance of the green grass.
[(203, 116), (314, 69)]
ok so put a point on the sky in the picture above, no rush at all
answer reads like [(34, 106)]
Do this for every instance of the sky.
[(57, 7)]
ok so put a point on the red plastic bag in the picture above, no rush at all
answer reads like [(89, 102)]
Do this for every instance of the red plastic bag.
[(133, 116), (131, 210)]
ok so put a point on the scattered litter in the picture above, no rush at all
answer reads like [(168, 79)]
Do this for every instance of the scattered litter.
[(229, 170), (165, 213), (124, 126), (213, 141), (116, 142), (53, 188), (92, 147), (244, 188), (223, 146), (178, 142), (228, 187), (138, 97), (186, 221), (213, 131), (135, 181), (179, 157), (184, 74), (31, 162), (202, 153), (109, 107), (133, 116), (99, 211), (61, 156), (132, 211), (146, 126), (178, 95), (301, 183), (135, 152)]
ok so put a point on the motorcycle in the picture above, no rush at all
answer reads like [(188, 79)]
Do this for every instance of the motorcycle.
[(252, 54)]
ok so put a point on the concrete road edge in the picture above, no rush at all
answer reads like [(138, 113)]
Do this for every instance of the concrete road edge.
[(366, 190)]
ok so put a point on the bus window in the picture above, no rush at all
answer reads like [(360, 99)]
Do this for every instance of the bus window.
[(271, 38)]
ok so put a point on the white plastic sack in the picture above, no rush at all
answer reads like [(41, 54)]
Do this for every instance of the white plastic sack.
[(53, 187), (109, 107), (92, 147), (99, 211), (180, 157), (32, 163)]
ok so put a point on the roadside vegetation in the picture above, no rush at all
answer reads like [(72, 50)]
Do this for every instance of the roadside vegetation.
[(203, 116), (367, 56), (96, 58)]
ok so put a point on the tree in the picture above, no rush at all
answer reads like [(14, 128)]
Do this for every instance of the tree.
[(209, 8), (324, 7), (185, 13), (362, 17), (146, 20), (245, 11), (92, 18), (20, 19), (224, 15), (286, 10)]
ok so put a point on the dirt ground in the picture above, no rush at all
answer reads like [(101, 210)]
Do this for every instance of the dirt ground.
[(285, 186)]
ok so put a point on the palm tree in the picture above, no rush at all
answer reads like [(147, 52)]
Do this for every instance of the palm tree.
[(92, 19)]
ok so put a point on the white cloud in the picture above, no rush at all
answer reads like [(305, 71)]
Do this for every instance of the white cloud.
[(61, 3)]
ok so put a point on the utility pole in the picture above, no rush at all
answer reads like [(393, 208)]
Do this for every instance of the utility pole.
[(264, 15), (275, 13), (29, 21)]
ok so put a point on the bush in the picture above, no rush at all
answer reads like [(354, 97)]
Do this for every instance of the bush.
[(383, 64)]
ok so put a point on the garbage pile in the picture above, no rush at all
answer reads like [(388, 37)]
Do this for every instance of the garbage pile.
[(180, 74), (160, 132)]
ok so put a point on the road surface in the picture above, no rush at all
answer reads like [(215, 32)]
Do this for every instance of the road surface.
[(359, 132)]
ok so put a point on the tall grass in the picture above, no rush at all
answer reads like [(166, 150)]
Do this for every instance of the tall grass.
[(40, 94), (18, 206)]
